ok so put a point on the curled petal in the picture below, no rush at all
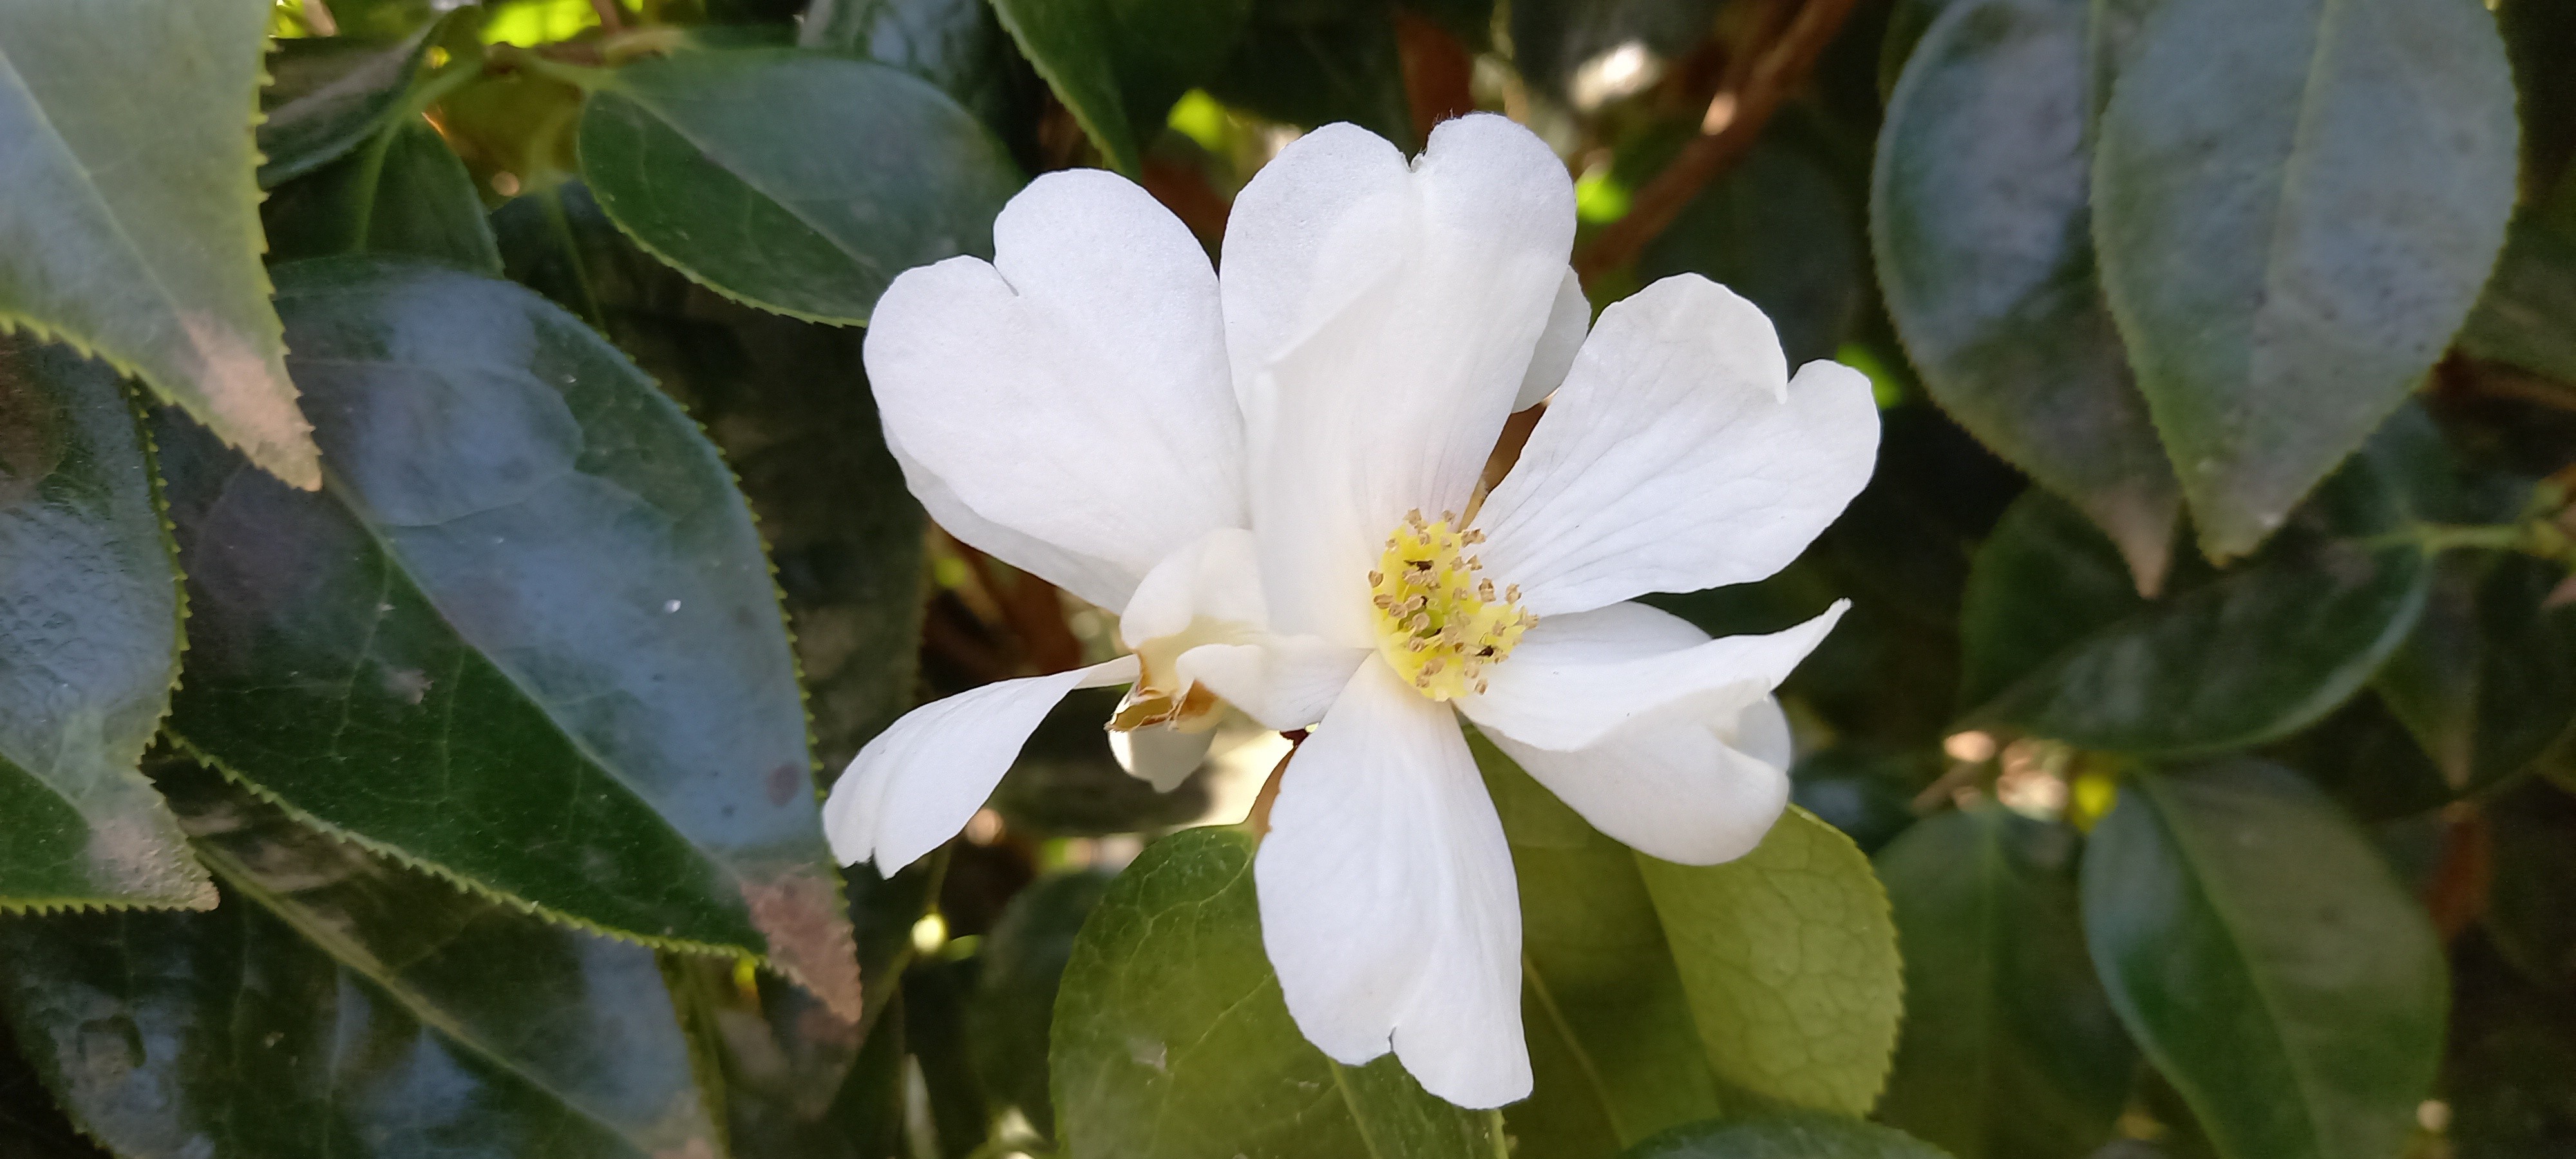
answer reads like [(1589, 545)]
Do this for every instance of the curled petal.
[(1567, 321), (1675, 785), (919, 781), (1565, 690)]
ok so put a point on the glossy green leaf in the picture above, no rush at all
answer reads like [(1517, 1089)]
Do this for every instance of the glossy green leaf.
[(2010, 1048), (89, 644), (2259, 949), (1805, 1136), (1775, 229), (1171, 1039), (958, 45), (709, 160), (2487, 681), (156, 270), (1119, 65), (404, 192), (337, 1006), (2288, 238), (2059, 645), (2527, 316), (524, 638), (1613, 1053), (1982, 227), (327, 95), (1788, 959), (1021, 969), (1312, 71)]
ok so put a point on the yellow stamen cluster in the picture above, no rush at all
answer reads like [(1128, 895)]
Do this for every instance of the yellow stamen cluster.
[(1440, 621)]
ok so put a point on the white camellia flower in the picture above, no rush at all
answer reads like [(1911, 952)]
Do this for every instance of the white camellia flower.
[(1273, 475)]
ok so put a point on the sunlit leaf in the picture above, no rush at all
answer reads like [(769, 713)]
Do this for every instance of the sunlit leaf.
[(525, 637), (89, 644), (327, 95), (156, 267), (2289, 236), (1118, 65)]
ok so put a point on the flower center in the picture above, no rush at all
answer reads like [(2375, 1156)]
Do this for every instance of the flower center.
[(1440, 622)]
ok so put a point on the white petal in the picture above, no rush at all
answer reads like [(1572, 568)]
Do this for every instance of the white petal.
[(919, 781), (1284, 682), (1379, 319), (1675, 785), (1388, 905), (1677, 456), (1557, 345), (1097, 580), (1561, 689), (1161, 757), (1075, 389)]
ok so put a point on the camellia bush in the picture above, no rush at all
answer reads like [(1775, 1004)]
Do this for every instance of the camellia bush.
[(1267, 579)]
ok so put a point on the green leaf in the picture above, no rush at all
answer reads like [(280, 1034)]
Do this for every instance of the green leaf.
[(1788, 959), (709, 160), (2010, 1049), (958, 45), (1796, 1136), (524, 638), (1866, 792), (328, 95), (2527, 316), (2487, 681), (1022, 968), (2058, 645), (1171, 1039), (1775, 229), (1342, 66), (2260, 950), (1613, 1053), (403, 193), (1553, 38), (155, 269), (1978, 207), (2288, 238), (31, 1126), (1118, 65), (336, 1006), (89, 644)]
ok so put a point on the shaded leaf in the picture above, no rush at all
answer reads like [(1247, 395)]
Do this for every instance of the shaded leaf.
[(1775, 229), (2060, 646), (31, 1126), (957, 45), (327, 95), (1171, 1038), (1982, 230), (403, 193), (2259, 949), (708, 160), (2510, 1078), (1022, 965), (525, 637), (1797, 1136), (2534, 850), (2010, 1049), (2487, 680), (1118, 65), (1788, 959), (158, 269), (1310, 71), (1553, 38), (1867, 793), (1614, 1055), (89, 644), (338, 1006), (2288, 239), (2527, 316)]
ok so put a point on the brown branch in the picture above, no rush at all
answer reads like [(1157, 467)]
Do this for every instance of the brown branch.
[(1776, 71), (610, 19), (318, 19)]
